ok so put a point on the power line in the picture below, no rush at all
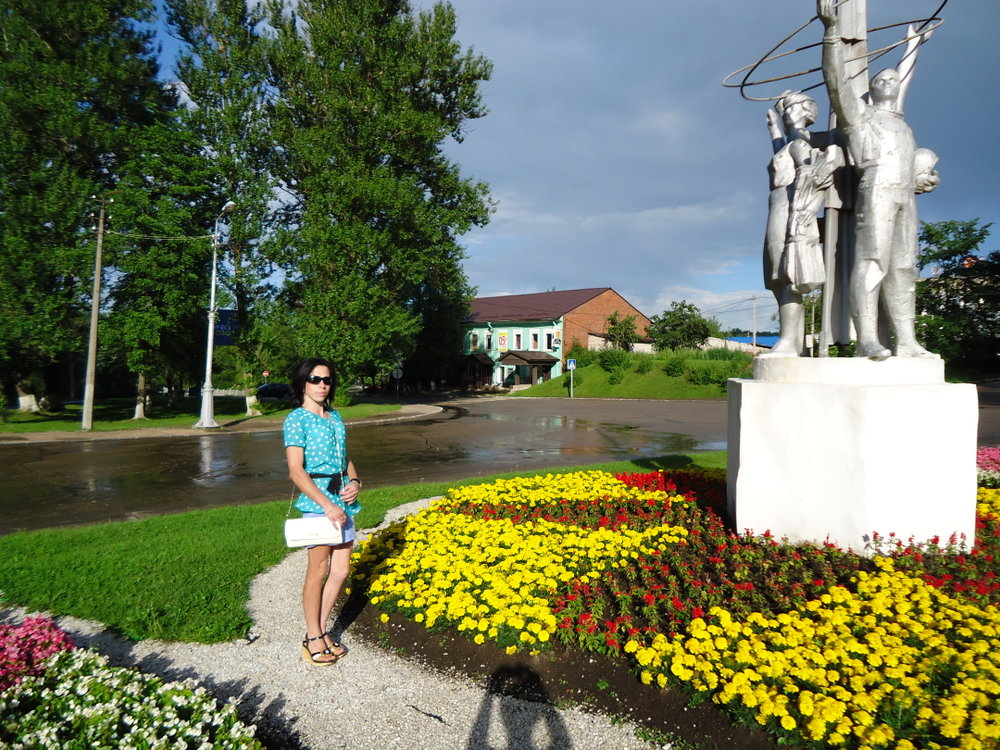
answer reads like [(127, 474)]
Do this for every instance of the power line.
[(153, 237)]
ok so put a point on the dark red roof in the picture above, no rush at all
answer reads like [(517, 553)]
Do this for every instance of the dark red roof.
[(540, 306)]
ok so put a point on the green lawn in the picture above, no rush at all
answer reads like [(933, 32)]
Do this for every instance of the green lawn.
[(116, 414), (593, 383), (186, 576)]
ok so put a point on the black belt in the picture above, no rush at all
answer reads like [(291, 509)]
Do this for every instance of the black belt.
[(335, 480)]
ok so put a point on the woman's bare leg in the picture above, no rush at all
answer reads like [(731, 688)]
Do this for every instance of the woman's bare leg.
[(340, 567), (317, 572)]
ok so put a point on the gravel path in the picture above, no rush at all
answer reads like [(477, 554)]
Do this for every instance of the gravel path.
[(371, 699)]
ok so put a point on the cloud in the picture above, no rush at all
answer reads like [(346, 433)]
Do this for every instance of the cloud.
[(618, 159)]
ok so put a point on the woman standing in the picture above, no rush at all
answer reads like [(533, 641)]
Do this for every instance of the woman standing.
[(315, 448)]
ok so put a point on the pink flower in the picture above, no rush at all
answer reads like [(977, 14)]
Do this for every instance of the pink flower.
[(25, 648)]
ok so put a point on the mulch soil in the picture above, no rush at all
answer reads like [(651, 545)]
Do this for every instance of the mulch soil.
[(560, 677)]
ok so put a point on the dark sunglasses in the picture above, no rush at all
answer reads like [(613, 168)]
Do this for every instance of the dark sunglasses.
[(317, 379)]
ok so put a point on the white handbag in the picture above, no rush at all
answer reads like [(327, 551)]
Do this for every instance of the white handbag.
[(303, 532)]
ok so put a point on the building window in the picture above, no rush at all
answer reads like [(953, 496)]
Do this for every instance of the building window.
[(534, 341), (548, 341), (517, 341), (489, 342), (475, 342)]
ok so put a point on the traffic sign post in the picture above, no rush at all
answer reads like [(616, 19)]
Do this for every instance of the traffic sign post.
[(397, 373), (571, 365)]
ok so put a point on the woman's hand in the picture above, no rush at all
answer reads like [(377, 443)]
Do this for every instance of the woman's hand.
[(349, 492), (337, 517)]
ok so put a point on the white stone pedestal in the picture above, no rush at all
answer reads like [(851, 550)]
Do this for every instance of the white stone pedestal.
[(837, 449)]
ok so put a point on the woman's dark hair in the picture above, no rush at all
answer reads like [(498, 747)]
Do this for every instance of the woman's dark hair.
[(301, 372)]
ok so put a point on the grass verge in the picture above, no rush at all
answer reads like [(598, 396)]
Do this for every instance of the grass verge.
[(186, 576), (116, 414)]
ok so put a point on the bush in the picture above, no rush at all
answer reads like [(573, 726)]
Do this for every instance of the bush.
[(343, 396), (715, 372), (614, 359), (643, 363), (617, 376), (699, 374), (584, 357), (675, 365), (577, 379), (732, 355)]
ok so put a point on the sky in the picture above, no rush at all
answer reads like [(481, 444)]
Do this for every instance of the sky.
[(617, 158)]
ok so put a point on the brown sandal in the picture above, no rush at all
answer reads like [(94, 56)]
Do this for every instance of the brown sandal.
[(334, 647), (310, 656)]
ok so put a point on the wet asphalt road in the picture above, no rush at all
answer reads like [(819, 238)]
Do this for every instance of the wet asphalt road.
[(88, 480), (83, 479)]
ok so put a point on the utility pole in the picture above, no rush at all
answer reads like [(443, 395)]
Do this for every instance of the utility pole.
[(95, 305)]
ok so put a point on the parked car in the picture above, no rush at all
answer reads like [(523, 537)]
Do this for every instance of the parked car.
[(280, 391)]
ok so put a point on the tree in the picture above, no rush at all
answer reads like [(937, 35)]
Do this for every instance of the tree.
[(621, 332), (959, 304), (224, 73), (77, 79), (680, 327), (157, 316), (365, 94)]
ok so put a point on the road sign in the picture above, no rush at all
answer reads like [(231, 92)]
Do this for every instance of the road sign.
[(397, 373), (570, 364)]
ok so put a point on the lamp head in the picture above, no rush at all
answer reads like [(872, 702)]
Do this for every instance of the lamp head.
[(228, 208)]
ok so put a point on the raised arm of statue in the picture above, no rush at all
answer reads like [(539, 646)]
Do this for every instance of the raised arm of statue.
[(908, 62), (774, 128), (848, 108)]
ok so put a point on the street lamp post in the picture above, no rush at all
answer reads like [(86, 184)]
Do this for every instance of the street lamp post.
[(207, 420)]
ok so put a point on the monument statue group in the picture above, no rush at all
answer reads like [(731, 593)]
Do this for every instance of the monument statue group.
[(847, 449), (873, 142)]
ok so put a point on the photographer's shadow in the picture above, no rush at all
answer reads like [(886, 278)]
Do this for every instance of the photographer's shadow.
[(527, 716)]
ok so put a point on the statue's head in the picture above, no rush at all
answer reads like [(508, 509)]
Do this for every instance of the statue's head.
[(884, 86), (797, 110)]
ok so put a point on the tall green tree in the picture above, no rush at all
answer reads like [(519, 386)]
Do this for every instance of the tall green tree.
[(157, 320), (680, 327), (621, 331), (366, 93), (224, 76), (958, 305), (77, 78)]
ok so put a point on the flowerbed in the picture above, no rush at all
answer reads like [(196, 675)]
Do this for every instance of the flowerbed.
[(54, 695), (988, 467), (819, 646)]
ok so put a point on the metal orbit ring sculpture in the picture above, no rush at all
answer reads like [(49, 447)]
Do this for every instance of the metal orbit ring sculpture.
[(926, 25)]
